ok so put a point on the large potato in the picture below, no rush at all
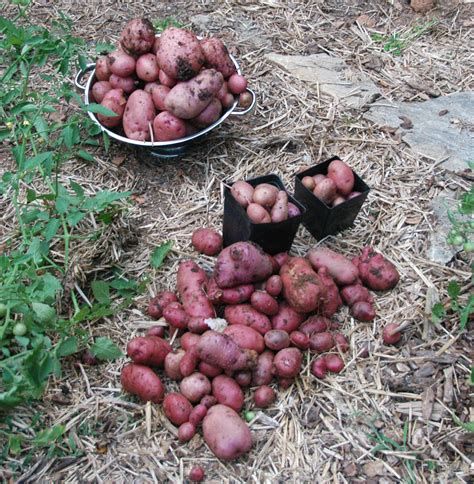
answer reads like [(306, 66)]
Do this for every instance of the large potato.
[(226, 434), (187, 99), (167, 127), (121, 64), (138, 36), (217, 56), (147, 69), (115, 101), (138, 116), (179, 53)]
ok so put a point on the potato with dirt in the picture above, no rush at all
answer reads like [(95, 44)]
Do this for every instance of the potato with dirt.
[(187, 99), (148, 350), (159, 302), (226, 434), (138, 116), (287, 318), (102, 68), (115, 101), (207, 241), (158, 94), (128, 84), (242, 263), (287, 363), (176, 316), (279, 211), (228, 392), (264, 303), (331, 300), (262, 373), (195, 386), (264, 396), (177, 408), (238, 294), (179, 54), (340, 268), (142, 381), (355, 293), (171, 364), (138, 36), (246, 337), (363, 311), (247, 315), (376, 272), (168, 127), (277, 339), (217, 56)]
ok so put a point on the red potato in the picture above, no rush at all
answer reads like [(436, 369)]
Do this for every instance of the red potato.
[(339, 267), (237, 84), (227, 100), (376, 272), (319, 368), (158, 94), (363, 311), (138, 116), (264, 303), (264, 396), (189, 361), (148, 350), (293, 210), (166, 80), (390, 334), (326, 191), (197, 414), (188, 340), (172, 362), (274, 286), (102, 68), (299, 339), (342, 175), (275, 269), (262, 373), (175, 315), (207, 241), (196, 474), (217, 56), (277, 339), (331, 300), (100, 89), (195, 386), (280, 209), (247, 315), (177, 408), (341, 342), (210, 114), (156, 331), (146, 68), (315, 324), (257, 214), (168, 127), (115, 101), (242, 192), (287, 318), (149, 86), (138, 36), (308, 182), (237, 295), (265, 195), (287, 363), (226, 434), (228, 392), (159, 302), (223, 91), (321, 342), (246, 337), (243, 378), (281, 258), (245, 99), (128, 84), (179, 53), (242, 263), (186, 432), (214, 293), (121, 64), (334, 363), (209, 370), (143, 382), (303, 289), (220, 350), (355, 293), (208, 401), (285, 383), (187, 99)]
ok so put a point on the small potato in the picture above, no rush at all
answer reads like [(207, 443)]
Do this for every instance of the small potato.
[(242, 192), (148, 350), (279, 211), (138, 36), (319, 368), (159, 94), (237, 84), (355, 293), (197, 414), (308, 182), (247, 315), (325, 191), (228, 392), (156, 331), (207, 241), (121, 64), (188, 340), (100, 89), (217, 56), (281, 258), (166, 80), (227, 100), (172, 361), (195, 386), (339, 267), (285, 383), (142, 381), (238, 294), (102, 68), (390, 334), (167, 127), (265, 195), (159, 302), (363, 311), (334, 363), (115, 101), (277, 339), (243, 378), (149, 86), (262, 373), (257, 214), (299, 339), (186, 432), (156, 45), (342, 175), (341, 342), (210, 114), (321, 342), (146, 68), (175, 315), (315, 324), (189, 361), (177, 408), (293, 210), (264, 303), (208, 401), (245, 100), (264, 396), (338, 200), (221, 93), (319, 178), (287, 318), (274, 285), (128, 84), (287, 363)]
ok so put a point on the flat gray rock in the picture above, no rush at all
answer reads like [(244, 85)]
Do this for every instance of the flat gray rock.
[(441, 128), (333, 75)]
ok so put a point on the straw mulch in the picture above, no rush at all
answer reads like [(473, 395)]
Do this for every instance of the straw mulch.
[(389, 416)]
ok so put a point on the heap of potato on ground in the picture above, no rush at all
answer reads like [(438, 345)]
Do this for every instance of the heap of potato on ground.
[(166, 87), (248, 322)]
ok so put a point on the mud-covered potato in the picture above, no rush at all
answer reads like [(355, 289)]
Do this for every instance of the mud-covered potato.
[(217, 56), (167, 127), (138, 116), (115, 101), (102, 68), (138, 36), (121, 64), (147, 69)]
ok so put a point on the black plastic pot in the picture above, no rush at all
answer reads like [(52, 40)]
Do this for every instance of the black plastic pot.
[(320, 219), (273, 237)]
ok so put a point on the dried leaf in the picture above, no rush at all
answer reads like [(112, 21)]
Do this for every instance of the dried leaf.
[(407, 122), (427, 401)]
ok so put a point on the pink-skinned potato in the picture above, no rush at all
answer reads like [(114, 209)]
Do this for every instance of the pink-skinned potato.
[(186, 432), (243, 378), (146, 68), (242, 192), (148, 350), (188, 340), (246, 337), (209, 370), (177, 408), (257, 214), (293, 210), (100, 89), (142, 381), (179, 53), (189, 361), (156, 331), (138, 116), (319, 368), (315, 324), (158, 303), (274, 286), (326, 191), (217, 56), (121, 64), (226, 434), (391, 335), (210, 114), (280, 259), (168, 127), (287, 318), (287, 363), (158, 95), (187, 99), (264, 396), (299, 339), (138, 36), (265, 195), (247, 315), (195, 386), (355, 293), (237, 83), (279, 210), (242, 263), (264, 303), (339, 267), (228, 392), (102, 68), (238, 294), (342, 175), (363, 311), (172, 361), (175, 315), (277, 339), (331, 300), (166, 80), (262, 373), (376, 272), (197, 414), (128, 84), (149, 86), (207, 241), (115, 101), (321, 342)]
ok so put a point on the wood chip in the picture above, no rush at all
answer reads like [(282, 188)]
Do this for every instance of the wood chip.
[(427, 402)]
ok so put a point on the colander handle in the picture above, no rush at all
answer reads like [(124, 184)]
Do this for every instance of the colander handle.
[(241, 112), (81, 74)]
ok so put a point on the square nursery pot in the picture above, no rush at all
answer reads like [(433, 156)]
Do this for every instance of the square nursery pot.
[(273, 237), (320, 219)]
